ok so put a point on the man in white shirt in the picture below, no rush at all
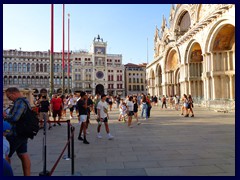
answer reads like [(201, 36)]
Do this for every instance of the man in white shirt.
[(102, 113)]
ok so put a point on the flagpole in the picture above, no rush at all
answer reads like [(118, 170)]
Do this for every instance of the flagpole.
[(68, 53), (63, 64)]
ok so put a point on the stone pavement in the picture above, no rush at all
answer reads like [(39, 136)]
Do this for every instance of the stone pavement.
[(165, 145)]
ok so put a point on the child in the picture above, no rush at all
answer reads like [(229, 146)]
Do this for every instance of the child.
[(123, 111)]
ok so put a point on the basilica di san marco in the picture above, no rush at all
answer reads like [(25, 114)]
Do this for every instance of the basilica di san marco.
[(195, 54)]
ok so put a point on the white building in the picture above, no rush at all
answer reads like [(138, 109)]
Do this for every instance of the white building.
[(94, 71)]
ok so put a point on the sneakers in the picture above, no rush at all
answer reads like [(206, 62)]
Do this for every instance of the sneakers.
[(59, 124), (99, 136), (138, 123), (85, 142), (50, 127), (110, 136), (80, 138)]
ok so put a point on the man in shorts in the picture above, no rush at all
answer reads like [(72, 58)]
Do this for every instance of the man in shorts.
[(103, 117), (17, 142), (82, 110), (56, 107)]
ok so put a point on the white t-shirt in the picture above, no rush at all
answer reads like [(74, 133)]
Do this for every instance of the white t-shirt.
[(130, 105), (103, 108)]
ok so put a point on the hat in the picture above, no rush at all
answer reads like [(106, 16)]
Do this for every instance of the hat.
[(103, 95), (6, 127)]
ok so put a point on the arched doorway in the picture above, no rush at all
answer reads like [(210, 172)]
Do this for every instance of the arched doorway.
[(172, 64), (195, 83), (43, 92), (223, 62), (99, 89)]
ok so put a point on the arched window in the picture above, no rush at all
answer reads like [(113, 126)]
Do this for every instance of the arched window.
[(32, 67), (45, 68), (28, 80), (10, 67), (19, 80), (41, 67), (55, 68), (15, 80), (5, 80), (5, 67), (65, 68), (24, 80), (24, 67), (28, 67), (37, 67), (10, 80), (37, 80), (33, 80), (15, 67), (19, 67), (58, 68)]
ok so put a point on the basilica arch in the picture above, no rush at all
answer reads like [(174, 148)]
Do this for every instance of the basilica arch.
[(171, 69), (194, 71), (219, 67), (159, 80)]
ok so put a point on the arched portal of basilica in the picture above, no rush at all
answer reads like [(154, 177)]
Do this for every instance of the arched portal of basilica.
[(195, 53)]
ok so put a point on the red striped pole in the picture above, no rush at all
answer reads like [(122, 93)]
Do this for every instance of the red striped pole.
[(52, 51), (63, 64), (68, 53)]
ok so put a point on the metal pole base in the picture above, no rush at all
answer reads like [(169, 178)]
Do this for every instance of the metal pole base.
[(46, 173), (66, 157)]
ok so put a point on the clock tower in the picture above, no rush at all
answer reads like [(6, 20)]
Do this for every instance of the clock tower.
[(100, 62)]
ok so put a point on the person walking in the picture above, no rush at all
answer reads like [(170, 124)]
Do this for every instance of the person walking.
[(164, 102), (44, 109), (144, 107), (56, 107), (130, 111), (17, 142), (103, 117), (82, 110), (190, 105), (135, 110)]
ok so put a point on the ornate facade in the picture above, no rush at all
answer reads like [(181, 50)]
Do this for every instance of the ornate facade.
[(88, 70), (195, 54)]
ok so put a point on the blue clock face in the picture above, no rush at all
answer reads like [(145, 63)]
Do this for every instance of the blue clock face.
[(99, 74)]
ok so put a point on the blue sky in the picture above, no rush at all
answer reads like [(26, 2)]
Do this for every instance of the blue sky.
[(125, 27)]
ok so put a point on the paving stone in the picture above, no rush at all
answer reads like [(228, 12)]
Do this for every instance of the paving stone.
[(165, 145)]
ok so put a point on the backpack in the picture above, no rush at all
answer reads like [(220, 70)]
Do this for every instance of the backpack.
[(28, 124)]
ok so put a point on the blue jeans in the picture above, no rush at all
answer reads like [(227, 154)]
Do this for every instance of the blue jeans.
[(144, 110)]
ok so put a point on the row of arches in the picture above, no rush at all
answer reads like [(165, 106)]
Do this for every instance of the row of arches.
[(33, 80), (28, 67), (202, 66)]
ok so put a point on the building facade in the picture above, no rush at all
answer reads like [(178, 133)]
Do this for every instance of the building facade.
[(135, 81), (195, 54), (94, 71), (98, 72)]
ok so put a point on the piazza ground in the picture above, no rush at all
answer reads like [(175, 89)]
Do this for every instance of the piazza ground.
[(166, 145)]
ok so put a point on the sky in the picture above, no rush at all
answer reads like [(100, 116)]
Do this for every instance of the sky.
[(128, 29)]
